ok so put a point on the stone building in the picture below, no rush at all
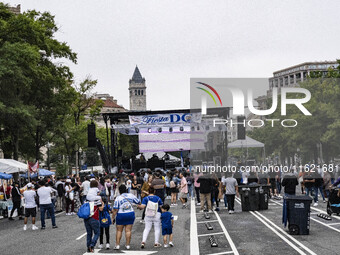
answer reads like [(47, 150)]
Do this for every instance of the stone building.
[(16, 10), (137, 91), (291, 76), (110, 106)]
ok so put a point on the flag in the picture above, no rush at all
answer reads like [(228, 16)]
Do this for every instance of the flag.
[(33, 167)]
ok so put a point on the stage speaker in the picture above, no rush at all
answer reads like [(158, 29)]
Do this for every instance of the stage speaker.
[(91, 135), (120, 153), (241, 129)]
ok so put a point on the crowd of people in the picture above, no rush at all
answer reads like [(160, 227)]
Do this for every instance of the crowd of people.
[(115, 198)]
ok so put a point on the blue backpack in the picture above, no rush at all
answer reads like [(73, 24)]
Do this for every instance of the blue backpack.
[(104, 219), (84, 211)]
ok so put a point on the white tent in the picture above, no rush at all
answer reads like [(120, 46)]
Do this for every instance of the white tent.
[(10, 166), (148, 155), (247, 143)]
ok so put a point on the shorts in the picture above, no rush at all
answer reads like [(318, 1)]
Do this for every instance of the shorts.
[(173, 190), (166, 231), (125, 218), (30, 212), (183, 195)]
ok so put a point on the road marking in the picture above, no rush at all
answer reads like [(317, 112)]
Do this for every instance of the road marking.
[(278, 234), (269, 224), (232, 245), (194, 247), (327, 225), (289, 236), (316, 209), (206, 221), (59, 213), (220, 253), (80, 237), (322, 223), (211, 234), (175, 217), (96, 251), (331, 224)]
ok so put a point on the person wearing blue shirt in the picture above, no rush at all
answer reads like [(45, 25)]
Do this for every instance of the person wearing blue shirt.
[(152, 203), (167, 224)]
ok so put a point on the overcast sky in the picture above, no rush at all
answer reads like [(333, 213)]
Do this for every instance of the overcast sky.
[(172, 41)]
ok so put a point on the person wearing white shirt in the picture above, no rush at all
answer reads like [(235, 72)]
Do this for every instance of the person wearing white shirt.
[(30, 206), (85, 187), (45, 201)]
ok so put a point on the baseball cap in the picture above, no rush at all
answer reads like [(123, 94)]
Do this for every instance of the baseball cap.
[(29, 185)]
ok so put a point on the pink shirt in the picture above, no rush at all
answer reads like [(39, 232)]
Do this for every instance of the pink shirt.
[(184, 185), (196, 176)]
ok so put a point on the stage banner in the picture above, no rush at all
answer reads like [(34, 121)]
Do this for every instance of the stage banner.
[(161, 119)]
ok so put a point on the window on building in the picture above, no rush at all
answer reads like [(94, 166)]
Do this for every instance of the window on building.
[(138, 92), (135, 92), (141, 92)]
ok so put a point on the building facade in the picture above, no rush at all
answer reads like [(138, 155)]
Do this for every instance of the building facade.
[(137, 92), (16, 10), (292, 76)]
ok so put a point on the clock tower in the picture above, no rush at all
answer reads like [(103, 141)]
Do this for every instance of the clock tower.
[(137, 90)]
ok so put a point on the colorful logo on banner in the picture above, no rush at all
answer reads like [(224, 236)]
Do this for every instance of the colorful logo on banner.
[(173, 118)]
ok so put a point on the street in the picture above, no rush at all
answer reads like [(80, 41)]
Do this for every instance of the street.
[(259, 232)]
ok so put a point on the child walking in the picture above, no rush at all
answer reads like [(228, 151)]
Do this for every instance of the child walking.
[(105, 222), (167, 224)]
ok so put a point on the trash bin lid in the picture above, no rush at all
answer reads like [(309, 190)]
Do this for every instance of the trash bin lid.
[(292, 197)]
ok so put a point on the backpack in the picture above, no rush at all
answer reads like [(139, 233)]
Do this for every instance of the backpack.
[(60, 189), (104, 218), (86, 210), (172, 184), (151, 208)]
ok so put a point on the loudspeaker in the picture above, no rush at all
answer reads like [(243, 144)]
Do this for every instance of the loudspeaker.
[(91, 135), (241, 129), (120, 153)]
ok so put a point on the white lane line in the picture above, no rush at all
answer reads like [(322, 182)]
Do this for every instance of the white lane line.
[(194, 247), (206, 221), (331, 224), (80, 237), (316, 209), (211, 234), (221, 253), (59, 213), (285, 233), (322, 223), (272, 227), (279, 235), (326, 225), (232, 245)]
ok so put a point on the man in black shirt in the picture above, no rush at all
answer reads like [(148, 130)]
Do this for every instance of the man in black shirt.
[(289, 183), (205, 191)]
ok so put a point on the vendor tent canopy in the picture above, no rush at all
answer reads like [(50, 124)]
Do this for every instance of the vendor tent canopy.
[(148, 155), (247, 143), (42, 172), (5, 176), (10, 166)]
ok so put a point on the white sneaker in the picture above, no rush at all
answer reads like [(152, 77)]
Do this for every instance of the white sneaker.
[(73, 213), (142, 221), (198, 203), (25, 227), (107, 246), (232, 212), (100, 246), (127, 247), (324, 201), (34, 227), (171, 244), (316, 204), (201, 211), (117, 247), (166, 245)]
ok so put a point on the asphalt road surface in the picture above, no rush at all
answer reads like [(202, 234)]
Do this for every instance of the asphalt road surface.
[(241, 233)]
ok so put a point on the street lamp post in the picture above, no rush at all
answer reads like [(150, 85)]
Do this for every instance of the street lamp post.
[(48, 155)]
